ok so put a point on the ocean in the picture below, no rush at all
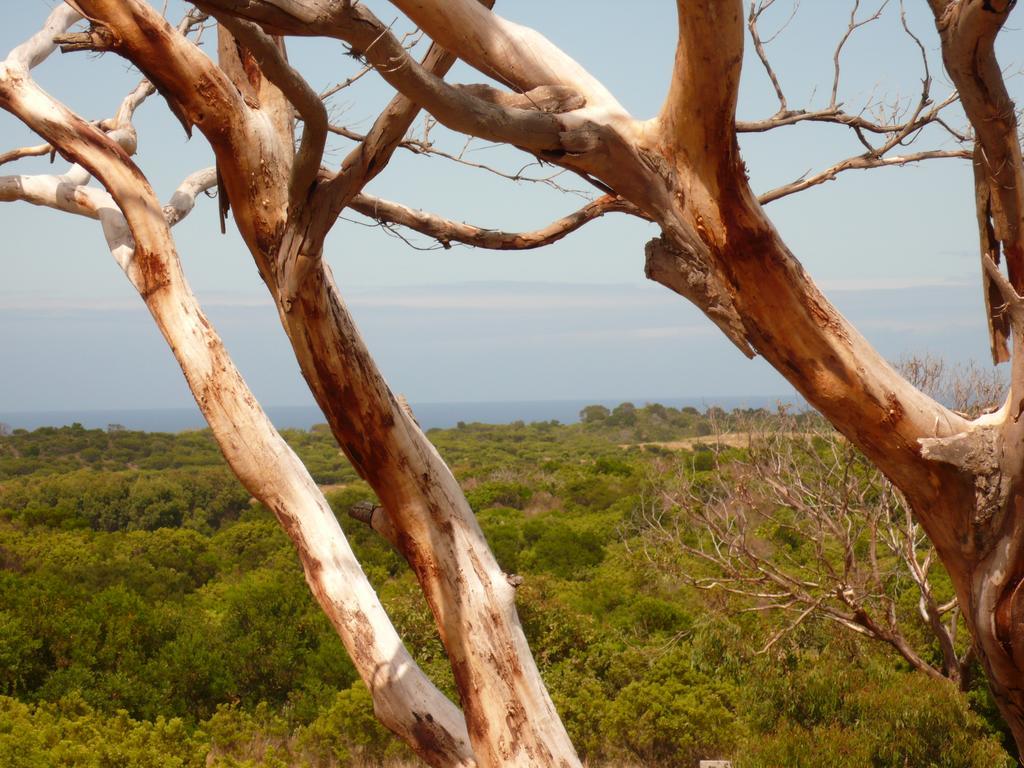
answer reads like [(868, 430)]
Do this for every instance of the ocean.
[(429, 415)]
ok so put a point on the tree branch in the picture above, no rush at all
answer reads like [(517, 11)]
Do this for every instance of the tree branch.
[(699, 112), (365, 161), (756, 9), (456, 108), (234, 129), (968, 30), (860, 162), (446, 231), (830, 498), (516, 56), (17, 154), (306, 101), (184, 198), (37, 48), (852, 27)]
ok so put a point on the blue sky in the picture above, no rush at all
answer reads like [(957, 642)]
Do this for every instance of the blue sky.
[(894, 249)]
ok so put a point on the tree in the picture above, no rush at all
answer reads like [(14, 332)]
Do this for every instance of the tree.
[(593, 414), (718, 249), (801, 524)]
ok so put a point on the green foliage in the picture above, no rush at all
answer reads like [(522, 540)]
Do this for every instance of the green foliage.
[(840, 713), (150, 614), (497, 493), (202, 499), (672, 716), (348, 730), (559, 548), (70, 734), (594, 413), (623, 415), (503, 528)]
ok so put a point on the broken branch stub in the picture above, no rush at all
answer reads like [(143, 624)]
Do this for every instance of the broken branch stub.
[(689, 275)]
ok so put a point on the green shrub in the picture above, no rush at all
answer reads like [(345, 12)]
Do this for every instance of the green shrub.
[(70, 734)]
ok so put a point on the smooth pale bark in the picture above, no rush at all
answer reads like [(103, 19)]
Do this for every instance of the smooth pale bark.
[(510, 717), (508, 713), (711, 220), (138, 233), (460, 108), (512, 54), (955, 474), (719, 250)]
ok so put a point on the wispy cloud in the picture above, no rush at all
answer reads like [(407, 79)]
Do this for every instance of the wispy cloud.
[(37, 303), (639, 334), (890, 283), (924, 325), (467, 297), (494, 302), (34, 302)]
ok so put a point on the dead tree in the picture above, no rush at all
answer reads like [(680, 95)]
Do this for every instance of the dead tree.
[(856, 547), (803, 526), (681, 170)]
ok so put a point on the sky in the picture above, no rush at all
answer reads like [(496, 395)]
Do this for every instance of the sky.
[(895, 250)]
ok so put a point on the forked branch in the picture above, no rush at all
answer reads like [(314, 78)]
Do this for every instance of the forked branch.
[(404, 699), (859, 162), (802, 526), (457, 108), (306, 101)]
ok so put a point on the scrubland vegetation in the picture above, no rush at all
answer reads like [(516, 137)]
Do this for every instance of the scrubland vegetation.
[(152, 615)]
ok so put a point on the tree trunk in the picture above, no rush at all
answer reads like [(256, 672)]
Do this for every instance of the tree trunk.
[(995, 612)]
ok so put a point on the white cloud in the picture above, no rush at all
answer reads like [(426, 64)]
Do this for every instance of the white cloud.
[(640, 334), (489, 297), (34, 302), (468, 297)]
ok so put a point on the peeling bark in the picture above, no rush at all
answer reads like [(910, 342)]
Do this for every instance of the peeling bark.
[(683, 271)]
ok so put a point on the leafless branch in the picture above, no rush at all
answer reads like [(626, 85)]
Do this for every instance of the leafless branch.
[(458, 109), (409, 40), (802, 525), (852, 27), (447, 231), (897, 124), (756, 9), (859, 162), (17, 154), (326, 94)]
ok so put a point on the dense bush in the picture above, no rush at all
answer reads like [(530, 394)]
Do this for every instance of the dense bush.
[(155, 617), (843, 715), (132, 500), (70, 734)]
